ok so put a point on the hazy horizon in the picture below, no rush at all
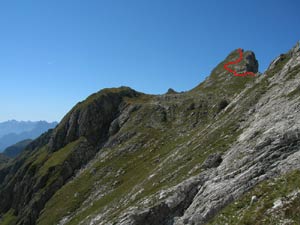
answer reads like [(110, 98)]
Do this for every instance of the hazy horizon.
[(26, 121)]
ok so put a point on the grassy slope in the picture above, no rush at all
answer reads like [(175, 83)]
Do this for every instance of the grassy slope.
[(9, 218), (40, 163), (169, 152)]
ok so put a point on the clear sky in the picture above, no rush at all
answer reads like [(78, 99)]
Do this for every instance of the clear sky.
[(54, 53)]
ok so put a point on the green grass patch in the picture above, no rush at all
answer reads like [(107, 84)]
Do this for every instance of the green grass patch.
[(57, 158), (69, 197), (9, 218)]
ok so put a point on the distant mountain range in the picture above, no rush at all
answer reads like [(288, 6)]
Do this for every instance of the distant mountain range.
[(13, 131)]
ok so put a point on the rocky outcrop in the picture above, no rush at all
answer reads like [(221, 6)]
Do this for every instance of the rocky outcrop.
[(251, 64), (165, 212), (212, 161), (171, 91), (91, 118)]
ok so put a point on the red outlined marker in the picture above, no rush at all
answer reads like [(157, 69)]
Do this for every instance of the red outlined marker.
[(236, 62)]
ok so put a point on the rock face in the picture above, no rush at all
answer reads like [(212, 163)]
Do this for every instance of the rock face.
[(123, 157), (91, 118), (212, 161), (251, 64)]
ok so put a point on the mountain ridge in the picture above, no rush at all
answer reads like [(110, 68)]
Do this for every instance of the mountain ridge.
[(128, 158), (14, 150)]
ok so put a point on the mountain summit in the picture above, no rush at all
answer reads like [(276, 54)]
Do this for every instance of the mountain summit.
[(225, 152)]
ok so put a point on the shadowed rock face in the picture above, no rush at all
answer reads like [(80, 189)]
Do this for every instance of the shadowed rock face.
[(123, 157), (251, 62)]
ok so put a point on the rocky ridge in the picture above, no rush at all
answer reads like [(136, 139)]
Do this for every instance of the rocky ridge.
[(123, 157)]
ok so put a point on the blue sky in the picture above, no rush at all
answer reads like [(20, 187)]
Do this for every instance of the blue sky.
[(54, 53)]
